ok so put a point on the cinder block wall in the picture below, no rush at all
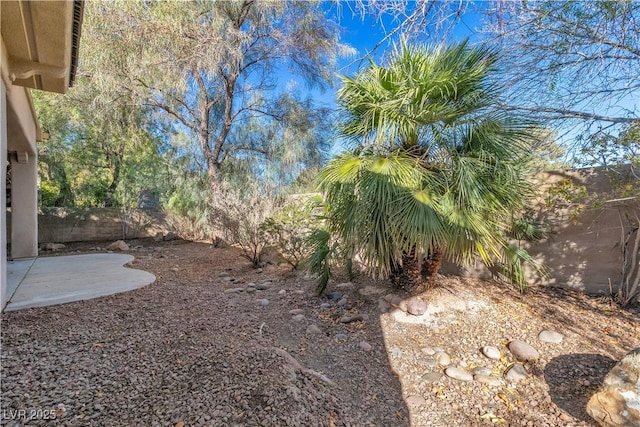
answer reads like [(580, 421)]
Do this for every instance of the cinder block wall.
[(583, 249), (63, 225)]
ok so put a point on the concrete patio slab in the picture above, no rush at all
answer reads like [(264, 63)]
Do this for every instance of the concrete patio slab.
[(58, 280)]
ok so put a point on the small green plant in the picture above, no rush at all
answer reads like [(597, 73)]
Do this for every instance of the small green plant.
[(291, 227), (241, 216)]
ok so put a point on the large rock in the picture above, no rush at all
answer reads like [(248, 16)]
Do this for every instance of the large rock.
[(551, 337), (522, 351), (118, 245), (416, 306), (617, 403), (52, 246)]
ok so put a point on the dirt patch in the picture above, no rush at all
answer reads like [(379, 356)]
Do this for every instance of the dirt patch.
[(216, 343)]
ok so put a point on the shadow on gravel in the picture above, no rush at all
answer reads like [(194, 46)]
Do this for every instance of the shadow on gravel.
[(574, 378)]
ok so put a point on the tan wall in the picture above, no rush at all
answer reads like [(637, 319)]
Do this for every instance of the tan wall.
[(583, 249), (62, 225)]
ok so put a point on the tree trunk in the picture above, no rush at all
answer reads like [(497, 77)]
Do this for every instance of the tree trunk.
[(431, 266), (213, 171), (408, 275)]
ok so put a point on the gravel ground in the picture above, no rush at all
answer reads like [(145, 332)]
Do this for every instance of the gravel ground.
[(216, 343)]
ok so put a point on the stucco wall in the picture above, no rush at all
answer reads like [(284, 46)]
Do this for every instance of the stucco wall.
[(62, 225), (583, 248)]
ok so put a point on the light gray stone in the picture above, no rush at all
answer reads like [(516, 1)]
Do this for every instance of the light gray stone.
[(342, 302), (263, 302), (345, 285), (370, 290), (481, 370), (458, 374), (262, 286), (118, 245), (551, 337), (516, 373), (489, 380), (233, 290), (522, 351), (428, 362), (341, 336), (296, 311), (416, 306), (383, 306), (415, 401), (351, 318), (428, 350), (491, 352), (52, 246), (393, 299), (365, 346), (617, 402), (313, 330), (431, 377), (443, 358), (335, 296), (298, 318)]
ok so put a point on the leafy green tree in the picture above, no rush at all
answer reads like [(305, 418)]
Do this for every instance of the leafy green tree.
[(435, 172)]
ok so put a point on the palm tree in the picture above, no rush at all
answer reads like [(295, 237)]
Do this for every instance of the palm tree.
[(434, 171)]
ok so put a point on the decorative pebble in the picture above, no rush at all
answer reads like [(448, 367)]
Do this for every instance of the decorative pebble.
[(516, 373), (491, 352), (298, 318), (522, 351), (481, 370), (282, 292), (364, 346), (296, 311), (395, 352), (414, 401), (325, 305), (263, 302), (551, 337), (335, 296), (342, 302), (416, 306), (428, 350), (429, 362), (313, 330), (233, 290), (251, 285), (393, 299), (341, 337), (262, 286), (250, 290), (345, 285), (223, 274), (458, 374), (488, 379), (443, 358), (351, 318), (370, 290), (383, 306), (431, 377)]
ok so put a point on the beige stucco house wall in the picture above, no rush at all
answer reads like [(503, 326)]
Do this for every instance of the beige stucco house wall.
[(39, 50)]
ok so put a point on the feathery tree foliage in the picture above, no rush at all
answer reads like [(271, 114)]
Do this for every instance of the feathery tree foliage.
[(434, 171), (212, 69)]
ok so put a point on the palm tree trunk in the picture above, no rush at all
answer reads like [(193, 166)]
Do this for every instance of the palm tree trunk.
[(431, 266), (408, 275)]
